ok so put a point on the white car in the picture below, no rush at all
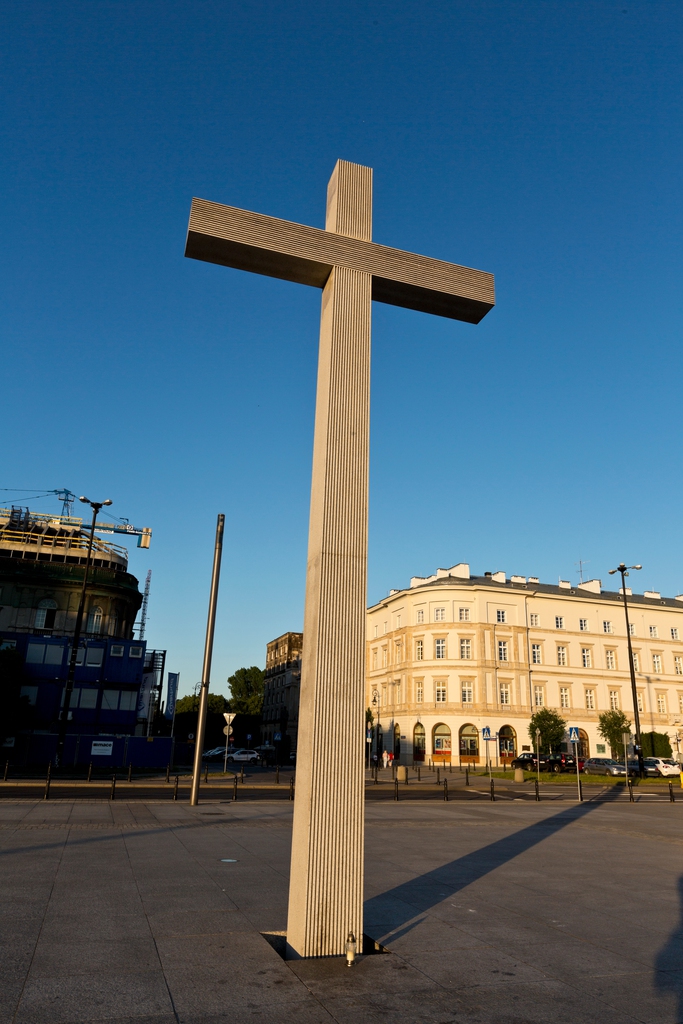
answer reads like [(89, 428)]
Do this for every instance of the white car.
[(243, 755), (661, 766)]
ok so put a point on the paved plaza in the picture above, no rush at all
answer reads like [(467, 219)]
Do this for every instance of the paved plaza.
[(509, 912)]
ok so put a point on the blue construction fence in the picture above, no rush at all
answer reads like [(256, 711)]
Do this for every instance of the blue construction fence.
[(103, 751)]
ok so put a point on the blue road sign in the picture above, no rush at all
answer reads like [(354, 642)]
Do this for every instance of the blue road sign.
[(573, 735), (486, 733), (277, 736)]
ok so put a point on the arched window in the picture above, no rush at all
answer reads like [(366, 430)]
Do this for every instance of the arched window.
[(584, 745), (469, 744), (507, 743), (397, 742), (419, 742), (45, 615), (441, 743), (94, 620)]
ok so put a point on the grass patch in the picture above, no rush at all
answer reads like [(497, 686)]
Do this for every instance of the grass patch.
[(569, 779)]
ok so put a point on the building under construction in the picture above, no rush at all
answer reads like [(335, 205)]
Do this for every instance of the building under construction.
[(42, 564)]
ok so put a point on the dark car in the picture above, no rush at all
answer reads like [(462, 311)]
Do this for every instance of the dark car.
[(527, 761), (558, 763), (216, 754)]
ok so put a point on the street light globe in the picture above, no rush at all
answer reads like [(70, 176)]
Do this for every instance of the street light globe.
[(86, 501), (108, 502), (636, 567)]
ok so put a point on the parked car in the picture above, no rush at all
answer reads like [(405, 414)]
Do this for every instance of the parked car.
[(525, 760), (242, 754), (603, 766), (661, 766), (215, 754), (558, 763)]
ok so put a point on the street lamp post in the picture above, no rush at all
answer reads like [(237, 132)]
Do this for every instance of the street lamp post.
[(64, 711), (376, 704), (623, 570)]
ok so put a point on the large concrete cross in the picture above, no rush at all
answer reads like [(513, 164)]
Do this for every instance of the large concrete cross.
[(326, 881)]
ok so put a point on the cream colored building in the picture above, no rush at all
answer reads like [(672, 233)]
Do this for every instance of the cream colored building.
[(455, 654)]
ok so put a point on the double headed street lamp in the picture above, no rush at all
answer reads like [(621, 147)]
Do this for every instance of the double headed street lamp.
[(623, 570), (376, 704), (64, 712)]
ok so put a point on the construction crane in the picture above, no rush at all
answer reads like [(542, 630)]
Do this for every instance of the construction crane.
[(143, 609), (67, 498)]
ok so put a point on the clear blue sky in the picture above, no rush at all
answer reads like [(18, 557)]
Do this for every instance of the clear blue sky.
[(540, 141)]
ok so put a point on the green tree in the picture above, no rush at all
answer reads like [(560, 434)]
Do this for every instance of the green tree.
[(246, 691), (656, 744), (611, 726), (369, 718), (552, 728), (216, 703)]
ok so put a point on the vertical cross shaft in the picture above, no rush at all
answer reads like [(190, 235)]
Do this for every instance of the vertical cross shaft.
[(326, 881)]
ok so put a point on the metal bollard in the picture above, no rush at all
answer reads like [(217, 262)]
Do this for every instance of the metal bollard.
[(395, 789), (206, 772), (291, 789), (467, 776), (406, 778), (629, 783), (493, 794), (47, 782), (168, 773), (277, 775), (375, 774), (6, 771), (175, 789), (418, 774), (538, 795), (445, 790), (130, 772), (242, 774), (437, 777), (89, 772), (450, 769), (112, 795), (580, 792), (672, 798), (234, 788)]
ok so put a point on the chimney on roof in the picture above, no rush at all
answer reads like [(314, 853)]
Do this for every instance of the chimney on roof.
[(595, 586), (564, 584), (534, 580), (518, 579), (653, 594), (498, 577)]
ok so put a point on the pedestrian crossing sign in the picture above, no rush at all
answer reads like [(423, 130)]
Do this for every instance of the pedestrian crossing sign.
[(573, 735)]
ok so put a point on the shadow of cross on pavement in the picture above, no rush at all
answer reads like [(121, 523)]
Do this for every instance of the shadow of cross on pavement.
[(392, 914)]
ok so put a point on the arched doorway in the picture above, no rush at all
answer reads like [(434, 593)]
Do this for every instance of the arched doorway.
[(397, 743), (507, 743), (441, 744), (419, 742), (584, 745), (469, 744)]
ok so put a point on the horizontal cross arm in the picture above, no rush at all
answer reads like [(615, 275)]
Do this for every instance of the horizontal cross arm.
[(295, 252)]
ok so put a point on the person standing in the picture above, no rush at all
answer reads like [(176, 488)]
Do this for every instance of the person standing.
[(385, 757)]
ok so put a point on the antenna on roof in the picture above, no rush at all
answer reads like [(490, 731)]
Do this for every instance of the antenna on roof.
[(581, 562)]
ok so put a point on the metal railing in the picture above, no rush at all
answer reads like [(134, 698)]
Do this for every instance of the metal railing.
[(24, 539)]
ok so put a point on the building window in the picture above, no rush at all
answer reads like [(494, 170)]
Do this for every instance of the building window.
[(135, 652), (440, 693), (439, 649), (467, 692), (674, 633), (678, 665), (583, 625), (502, 650), (653, 632), (439, 615), (561, 655), (661, 703), (533, 619), (535, 654), (607, 627), (538, 697), (501, 615), (656, 663), (94, 620), (559, 622), (376, 631), (564, 696), (504, 693), (614, 700), (45, 615), (419, 693), (384, 657), (419, 650), (590, 700), (610, 659), (636, 662), (464, 614), (399, 654), (586, 658), (680, 701), (640, 700), (116, 650), (374, 659), (420, 615), (466, 650)]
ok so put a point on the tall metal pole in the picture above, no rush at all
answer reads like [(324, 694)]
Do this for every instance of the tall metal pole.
[(208, 652), (623, 570), (64, 711)]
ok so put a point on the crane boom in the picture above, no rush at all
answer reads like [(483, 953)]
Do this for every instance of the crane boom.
[(143, 610)]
